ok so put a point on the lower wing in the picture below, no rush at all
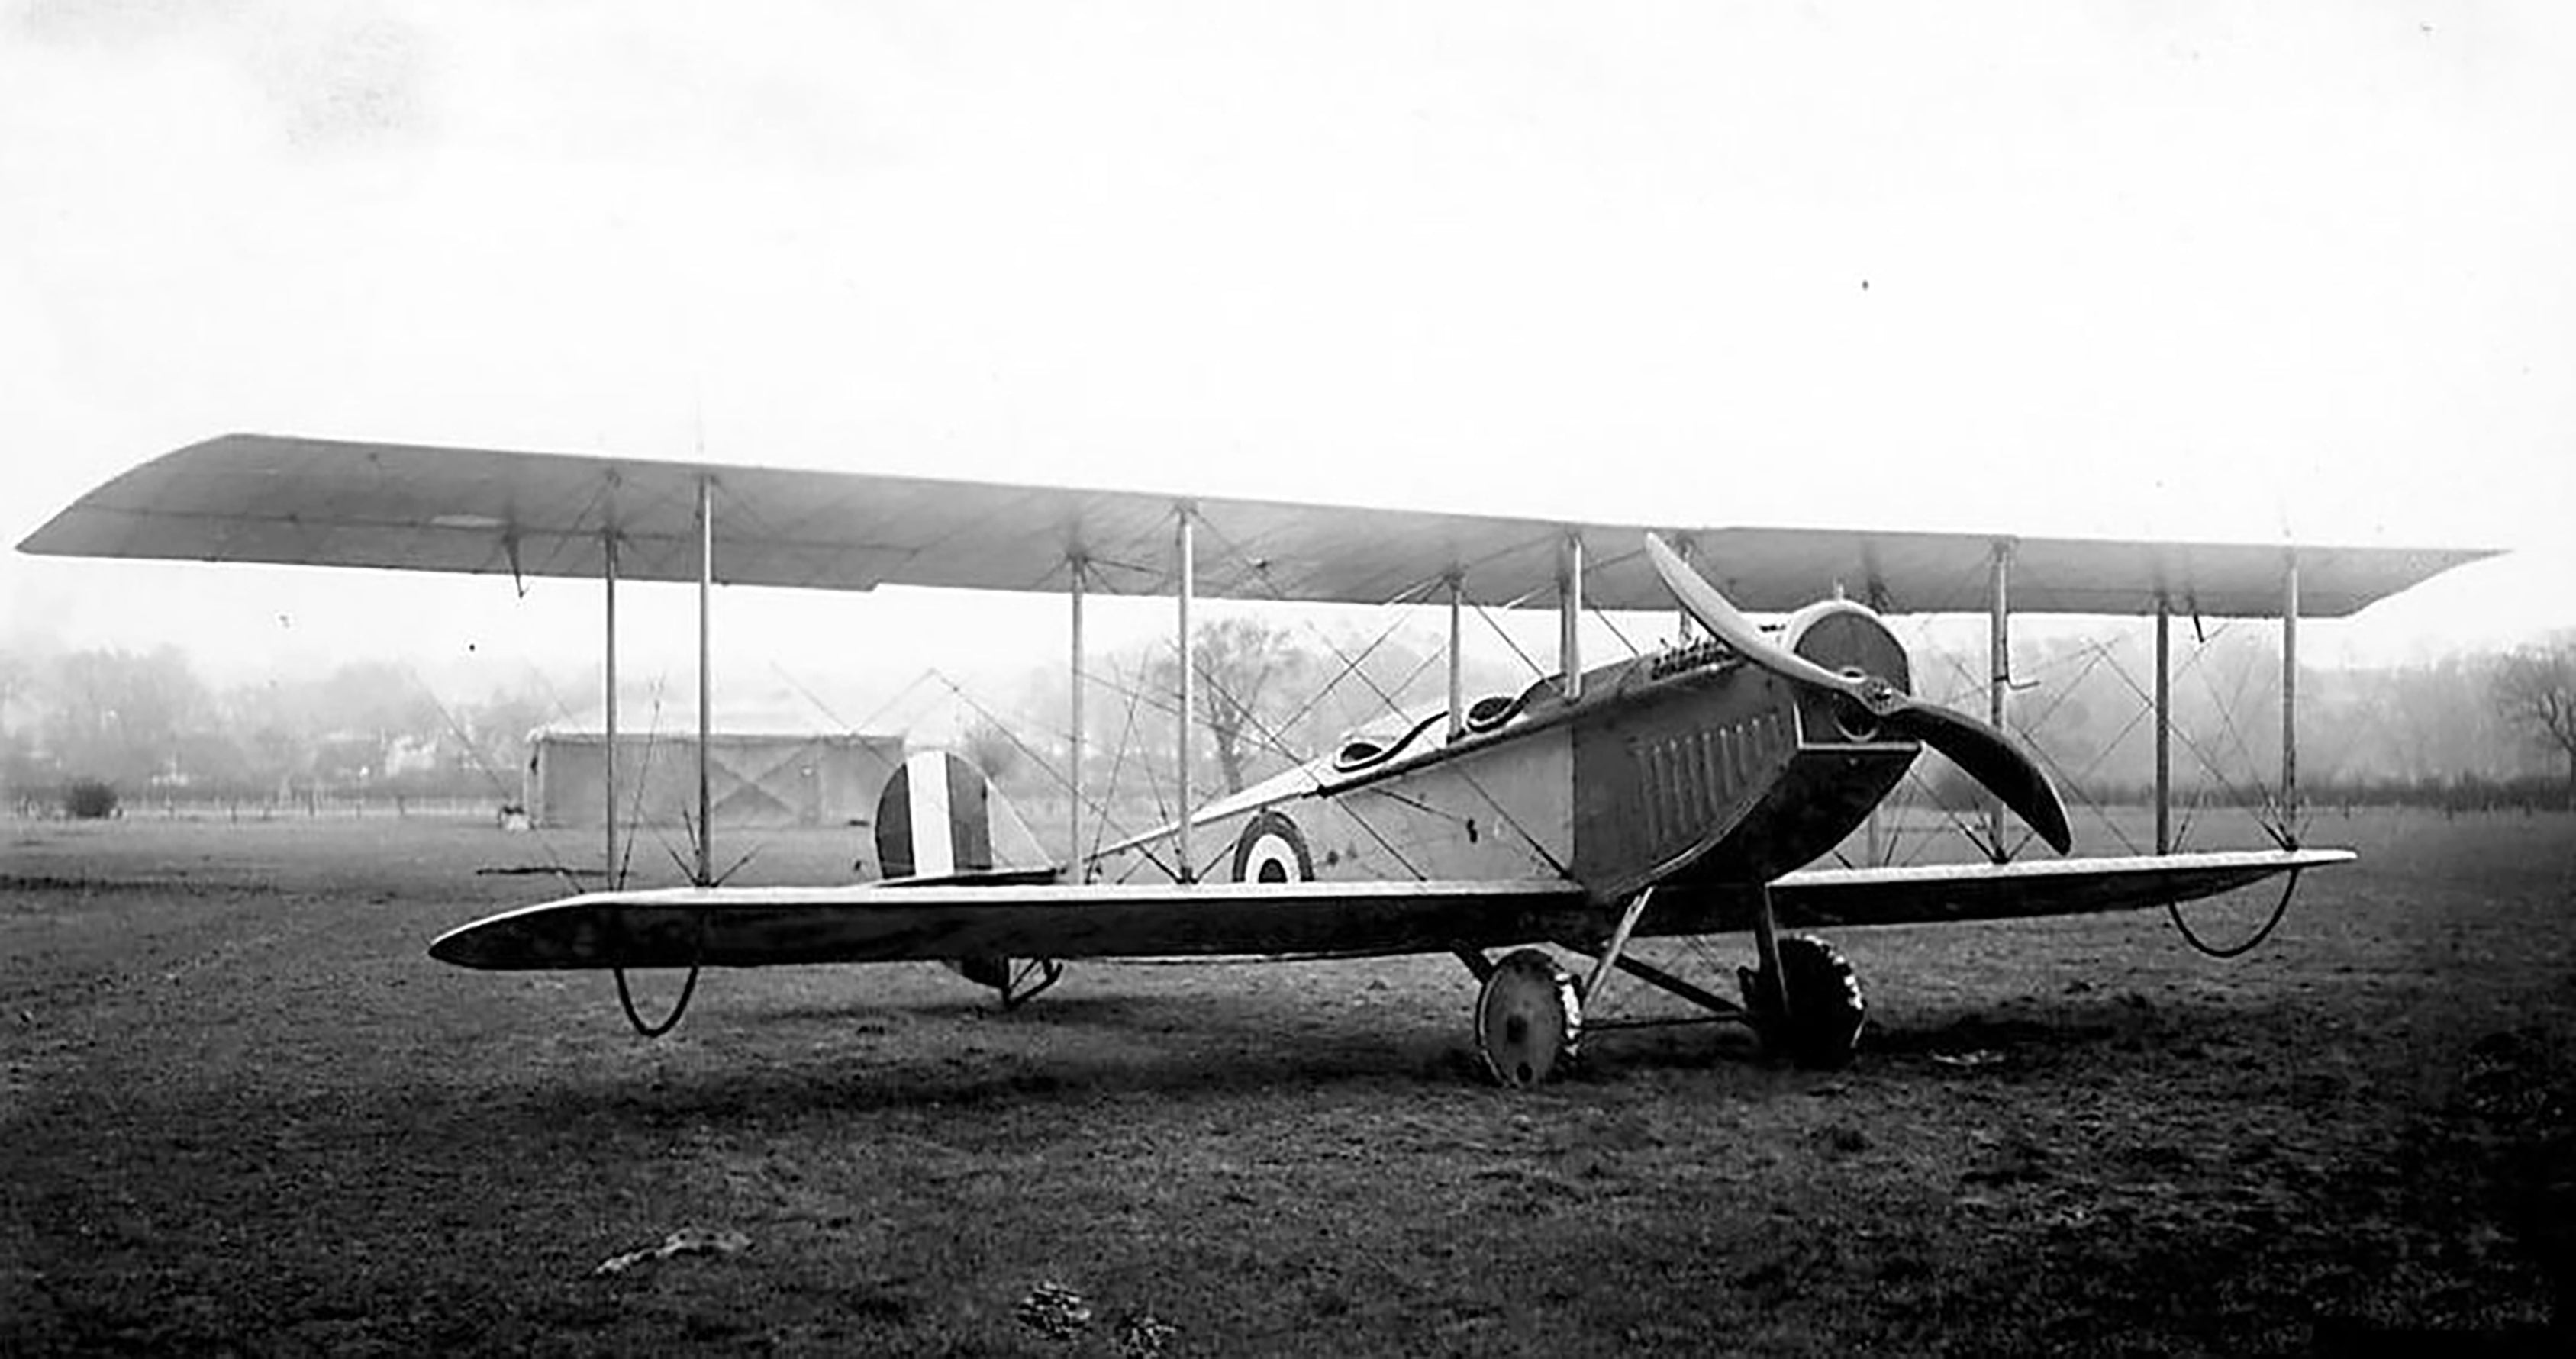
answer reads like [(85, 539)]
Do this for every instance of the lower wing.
[(1945, 892), (879, 922), (875, 922)]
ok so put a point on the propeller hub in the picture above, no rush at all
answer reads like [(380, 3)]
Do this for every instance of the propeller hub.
[(1869, 664)]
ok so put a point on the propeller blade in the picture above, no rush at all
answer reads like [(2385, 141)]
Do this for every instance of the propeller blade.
[(1728, 624), (1992, 759), (1989, 756)]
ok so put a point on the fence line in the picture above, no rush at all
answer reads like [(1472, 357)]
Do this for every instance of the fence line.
[(319, 806)]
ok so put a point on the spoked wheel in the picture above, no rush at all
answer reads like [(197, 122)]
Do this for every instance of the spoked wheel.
[(1528, 1018), (1826, 1010)]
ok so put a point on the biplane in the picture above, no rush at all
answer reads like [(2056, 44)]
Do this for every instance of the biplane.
[(1689, 791)]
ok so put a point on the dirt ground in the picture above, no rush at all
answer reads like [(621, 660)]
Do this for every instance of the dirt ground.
[(240, 1109)]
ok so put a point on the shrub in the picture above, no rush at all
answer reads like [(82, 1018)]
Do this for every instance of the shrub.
[(89, 799)]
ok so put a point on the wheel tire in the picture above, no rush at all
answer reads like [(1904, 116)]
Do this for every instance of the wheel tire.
[(1826, 1008), (1528, 1019)]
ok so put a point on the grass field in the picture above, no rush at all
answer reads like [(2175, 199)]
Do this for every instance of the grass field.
[(241, 1109)]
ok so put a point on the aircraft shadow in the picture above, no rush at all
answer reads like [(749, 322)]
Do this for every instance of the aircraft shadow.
[(1207, 1047)]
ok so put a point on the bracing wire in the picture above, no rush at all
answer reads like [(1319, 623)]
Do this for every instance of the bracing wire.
[(483, 764), (1535, 669), (1352, 667), (1602, 616), (2272, 817), (1117, 764), (2207, 759)]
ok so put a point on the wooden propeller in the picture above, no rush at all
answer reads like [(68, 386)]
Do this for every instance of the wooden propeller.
[(1990, 757)]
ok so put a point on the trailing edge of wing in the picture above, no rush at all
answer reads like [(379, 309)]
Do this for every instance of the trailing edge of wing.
[(323, 502), (762, 926)]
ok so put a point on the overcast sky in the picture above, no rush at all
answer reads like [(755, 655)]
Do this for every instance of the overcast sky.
[(2223, 271)]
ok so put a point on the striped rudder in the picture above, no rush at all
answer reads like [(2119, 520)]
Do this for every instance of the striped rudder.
[(939, 818)]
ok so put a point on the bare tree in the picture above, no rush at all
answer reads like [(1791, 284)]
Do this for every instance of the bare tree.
[(16, 669), (2535, 687), (1245, 668), (991, 748), (118, 716)]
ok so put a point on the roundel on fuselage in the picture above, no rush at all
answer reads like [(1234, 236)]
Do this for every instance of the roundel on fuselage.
[(1271, 849)]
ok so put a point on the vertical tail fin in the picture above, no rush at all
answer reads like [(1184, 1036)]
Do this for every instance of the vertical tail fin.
[(939, 818)]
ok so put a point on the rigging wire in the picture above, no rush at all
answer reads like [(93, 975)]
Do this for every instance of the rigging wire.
[(1351, 666), (2208, 763), (643, 776), (1117, 765), (2074, 782), (1536, 670), (1602, 616), (1362, 822), (625, 995), (2264, 805)]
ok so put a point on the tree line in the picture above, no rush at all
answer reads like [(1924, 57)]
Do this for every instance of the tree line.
[(2463, 729), (144, 725)]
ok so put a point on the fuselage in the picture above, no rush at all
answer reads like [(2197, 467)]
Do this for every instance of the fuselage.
[(1688, 767)]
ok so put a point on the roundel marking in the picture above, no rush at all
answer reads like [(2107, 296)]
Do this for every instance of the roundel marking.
[(1272, 850)]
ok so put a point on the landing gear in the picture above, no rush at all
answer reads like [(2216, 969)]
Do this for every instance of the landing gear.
[(1825, 1010), (1528, 1018), (1803, 1001)]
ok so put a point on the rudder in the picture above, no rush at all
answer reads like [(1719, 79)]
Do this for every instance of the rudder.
[(940, 819)]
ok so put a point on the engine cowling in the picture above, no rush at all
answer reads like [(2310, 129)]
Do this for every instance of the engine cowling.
[(1850, 639)]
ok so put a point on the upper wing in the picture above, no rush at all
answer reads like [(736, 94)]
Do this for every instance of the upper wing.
[(876, 922), (263, 498), (1949, 892)]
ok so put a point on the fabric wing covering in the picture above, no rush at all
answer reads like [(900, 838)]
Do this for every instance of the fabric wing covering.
[(274, 499), (878, 922)]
